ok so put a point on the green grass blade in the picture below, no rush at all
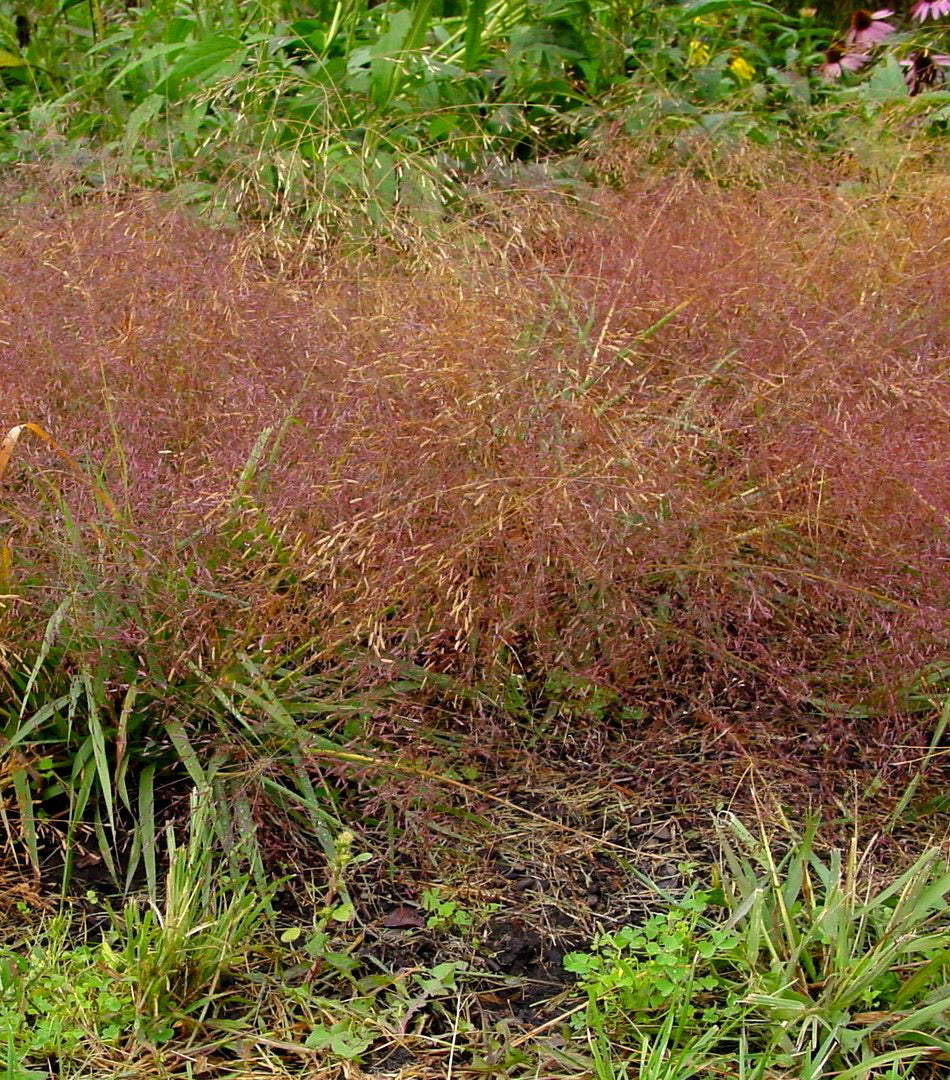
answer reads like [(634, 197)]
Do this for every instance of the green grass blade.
[(49, 636), (97, 736), (474, 25), (249, 472), (79, 800), (186, 753), (143, 837), (105, 847), (121, 744), (24, 730), (936, 738), (24, 798)]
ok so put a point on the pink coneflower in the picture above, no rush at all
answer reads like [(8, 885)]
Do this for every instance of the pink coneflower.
[(869, 27), (923, 69), (838, 61), (930, 9)]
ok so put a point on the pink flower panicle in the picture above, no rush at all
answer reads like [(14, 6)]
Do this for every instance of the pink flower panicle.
[(930, 9), (869, 28), (838, 60), (924, 69)]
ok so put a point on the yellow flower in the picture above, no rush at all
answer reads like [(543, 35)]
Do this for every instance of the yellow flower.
[(741, 68), (699, 54)]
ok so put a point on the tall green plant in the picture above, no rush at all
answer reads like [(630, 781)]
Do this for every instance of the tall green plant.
[(840, 970), (174, 951)]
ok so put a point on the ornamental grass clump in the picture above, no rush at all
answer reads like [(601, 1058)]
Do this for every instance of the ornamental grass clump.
[(686, 449)]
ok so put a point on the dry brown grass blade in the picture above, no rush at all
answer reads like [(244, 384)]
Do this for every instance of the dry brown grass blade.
[(7, 446), (6, 570), (469, 789), (13, 437)]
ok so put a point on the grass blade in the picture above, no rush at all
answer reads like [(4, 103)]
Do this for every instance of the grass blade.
[(98, 740)]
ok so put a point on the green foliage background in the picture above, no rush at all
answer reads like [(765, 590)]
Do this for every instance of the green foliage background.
[(272, 108)]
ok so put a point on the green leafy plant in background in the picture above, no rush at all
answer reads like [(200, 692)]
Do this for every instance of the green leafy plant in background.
[(357, 112), (54, 995), (361, 112)]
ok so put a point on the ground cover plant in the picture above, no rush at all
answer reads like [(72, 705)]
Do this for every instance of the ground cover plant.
[(804, 968)]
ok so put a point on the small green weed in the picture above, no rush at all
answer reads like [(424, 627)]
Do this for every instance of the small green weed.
[(640, 971), (451, 915), (56, 996)]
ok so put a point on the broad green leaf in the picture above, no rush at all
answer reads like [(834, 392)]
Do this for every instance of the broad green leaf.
[(155, 52), (142, 115), (181, 29), (310, 34), (343, 912), (710, 7), (349, 1044), (203, 63), (885, 84), (406, 34), (443, 125), (385, 58)]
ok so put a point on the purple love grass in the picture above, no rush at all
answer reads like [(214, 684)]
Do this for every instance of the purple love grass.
[(682, 442)]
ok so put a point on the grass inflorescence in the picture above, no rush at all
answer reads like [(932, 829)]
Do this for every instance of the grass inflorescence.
[(689, 450)]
